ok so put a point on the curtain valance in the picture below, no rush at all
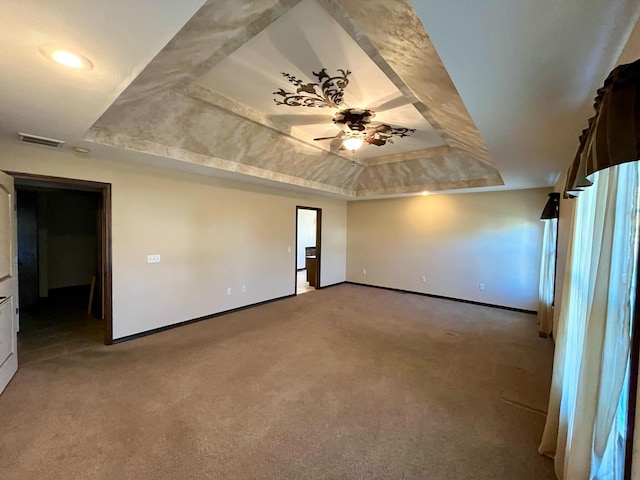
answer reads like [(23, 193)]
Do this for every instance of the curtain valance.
[(613, 133), (552, 207)]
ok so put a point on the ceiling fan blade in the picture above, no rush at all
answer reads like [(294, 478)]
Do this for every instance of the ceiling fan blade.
[(375, 141), (301, 119), (329, 138), (387, 103)]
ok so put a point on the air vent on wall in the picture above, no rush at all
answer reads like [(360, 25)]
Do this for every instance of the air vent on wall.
[(49, 142)]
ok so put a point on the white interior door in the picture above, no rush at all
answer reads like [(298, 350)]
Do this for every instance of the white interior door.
[(8, 282)]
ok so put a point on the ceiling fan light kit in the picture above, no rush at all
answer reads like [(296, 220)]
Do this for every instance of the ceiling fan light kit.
[(355, 123), (352, 143)]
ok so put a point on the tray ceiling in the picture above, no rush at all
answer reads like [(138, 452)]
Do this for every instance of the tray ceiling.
[(208, 98), (299, 47)]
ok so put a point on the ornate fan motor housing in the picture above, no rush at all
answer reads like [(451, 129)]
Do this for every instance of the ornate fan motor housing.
[(354, 118)]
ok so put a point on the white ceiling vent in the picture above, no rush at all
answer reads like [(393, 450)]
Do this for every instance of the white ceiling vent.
[(49, 142)]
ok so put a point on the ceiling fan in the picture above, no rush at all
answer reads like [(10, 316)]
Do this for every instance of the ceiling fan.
[(355, 123), (355, 129)]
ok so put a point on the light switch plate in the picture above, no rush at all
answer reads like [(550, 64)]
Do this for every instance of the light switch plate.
[(153, 258)]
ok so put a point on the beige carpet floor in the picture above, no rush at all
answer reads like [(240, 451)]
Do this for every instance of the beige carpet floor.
[(347, 382)]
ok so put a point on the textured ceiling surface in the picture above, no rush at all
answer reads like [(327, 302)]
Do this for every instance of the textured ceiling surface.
[(527, 71), (208, 99)]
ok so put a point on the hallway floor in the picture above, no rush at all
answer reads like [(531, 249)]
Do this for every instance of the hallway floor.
[(58, 325), (303, 285)]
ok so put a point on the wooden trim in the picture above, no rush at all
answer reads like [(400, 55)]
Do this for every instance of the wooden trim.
[(59, 180), (295, 258), (105, 190), (331, 285), (472, 302), (195, 320), (318, 246), (107, 274)]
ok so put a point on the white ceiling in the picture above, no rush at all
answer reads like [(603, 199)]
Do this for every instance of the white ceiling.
[(527, 70), (120, 37)]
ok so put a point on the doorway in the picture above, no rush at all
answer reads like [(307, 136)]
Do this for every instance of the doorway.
[(64, 264), (308, 248)]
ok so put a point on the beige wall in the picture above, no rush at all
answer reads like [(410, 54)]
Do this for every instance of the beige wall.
[(455, 241), (212, 234)]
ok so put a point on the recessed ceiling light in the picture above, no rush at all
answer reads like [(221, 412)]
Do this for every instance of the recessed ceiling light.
[(66, 57), (425, 193)]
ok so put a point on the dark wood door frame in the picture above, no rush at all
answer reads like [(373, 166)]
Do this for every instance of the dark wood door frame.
[(318, 246), (104, 189)]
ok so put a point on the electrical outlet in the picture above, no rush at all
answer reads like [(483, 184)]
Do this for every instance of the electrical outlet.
[(364, 271), (244, 289), (153, 258), (423, 279), (228, 291), (481, 286), (289, 249)]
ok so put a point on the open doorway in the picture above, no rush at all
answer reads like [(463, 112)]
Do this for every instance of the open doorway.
[(64, 264), (308, 248)]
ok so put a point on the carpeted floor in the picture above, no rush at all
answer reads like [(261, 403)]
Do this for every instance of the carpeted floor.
[(348, 382)]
